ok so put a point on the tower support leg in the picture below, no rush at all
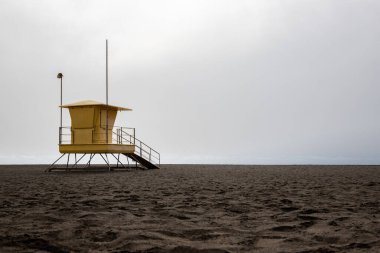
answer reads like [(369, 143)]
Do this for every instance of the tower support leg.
[(77, 161), (118, 160), (78, 157), (109, 167), (51, 166), (89, 161), (68, 160)]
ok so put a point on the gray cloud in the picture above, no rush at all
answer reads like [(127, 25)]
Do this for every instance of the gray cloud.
[(209, 81)]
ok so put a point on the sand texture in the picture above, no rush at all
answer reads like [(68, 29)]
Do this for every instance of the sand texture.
[(192, 208)]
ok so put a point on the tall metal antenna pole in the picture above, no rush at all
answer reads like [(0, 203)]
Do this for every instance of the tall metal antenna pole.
[(107, 89), (107, 72)]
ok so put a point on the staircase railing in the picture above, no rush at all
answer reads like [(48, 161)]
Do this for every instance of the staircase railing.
[(141, 148)]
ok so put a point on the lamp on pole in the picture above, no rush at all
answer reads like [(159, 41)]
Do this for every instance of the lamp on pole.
[(60, 76)]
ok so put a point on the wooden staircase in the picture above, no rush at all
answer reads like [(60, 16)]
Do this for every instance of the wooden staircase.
[(142, 161)]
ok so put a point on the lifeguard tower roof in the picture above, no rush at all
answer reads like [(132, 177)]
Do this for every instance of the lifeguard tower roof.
[(85, 103)]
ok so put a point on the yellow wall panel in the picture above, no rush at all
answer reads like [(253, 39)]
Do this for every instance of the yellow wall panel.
[(82, 117), (82, 136)]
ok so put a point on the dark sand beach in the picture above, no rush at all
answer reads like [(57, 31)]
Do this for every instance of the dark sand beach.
[(192, 208)]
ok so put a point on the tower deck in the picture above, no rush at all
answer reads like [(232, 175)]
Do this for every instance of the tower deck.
[(97, 148)]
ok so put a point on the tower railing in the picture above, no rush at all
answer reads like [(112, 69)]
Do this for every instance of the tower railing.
[(64, 135), (118, 135)]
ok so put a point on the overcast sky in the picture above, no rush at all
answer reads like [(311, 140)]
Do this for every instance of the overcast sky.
[(245, 82)]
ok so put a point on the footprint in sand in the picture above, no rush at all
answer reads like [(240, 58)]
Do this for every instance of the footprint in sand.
[(283, 228)]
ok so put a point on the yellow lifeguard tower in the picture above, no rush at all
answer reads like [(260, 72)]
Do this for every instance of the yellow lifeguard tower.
[(88, 135), (92, 132)]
